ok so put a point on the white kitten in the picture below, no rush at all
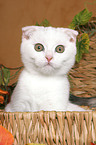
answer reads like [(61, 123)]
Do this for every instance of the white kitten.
[(48, 54)]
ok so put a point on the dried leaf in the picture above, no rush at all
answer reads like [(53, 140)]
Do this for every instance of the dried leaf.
[(3, 92), (6, 138)]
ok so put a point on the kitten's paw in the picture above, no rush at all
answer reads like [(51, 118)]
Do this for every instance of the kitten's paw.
[(8, 108), (72, 107)]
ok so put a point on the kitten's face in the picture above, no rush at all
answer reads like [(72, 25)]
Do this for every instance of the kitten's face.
[(48, 50)]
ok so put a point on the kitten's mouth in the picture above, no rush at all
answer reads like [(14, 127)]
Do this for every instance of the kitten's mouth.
[(49, 64)]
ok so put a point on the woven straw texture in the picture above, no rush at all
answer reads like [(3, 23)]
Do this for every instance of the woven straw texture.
[(83, 74), (51, 128)]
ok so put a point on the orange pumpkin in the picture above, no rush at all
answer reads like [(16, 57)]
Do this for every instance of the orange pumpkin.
[(93, 143), (6, 138)]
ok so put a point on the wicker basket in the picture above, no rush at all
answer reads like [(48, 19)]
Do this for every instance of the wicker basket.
[(60, 128), (83, 74), (51, 128)]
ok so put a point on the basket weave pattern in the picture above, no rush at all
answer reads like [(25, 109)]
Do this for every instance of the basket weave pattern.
[(83, 75), (51, 128)]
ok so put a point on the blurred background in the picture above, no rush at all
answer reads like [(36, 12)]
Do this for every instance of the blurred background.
[(15, 14)]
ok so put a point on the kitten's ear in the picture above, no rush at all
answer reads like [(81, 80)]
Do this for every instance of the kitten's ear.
[(27, 31), (72, 33)]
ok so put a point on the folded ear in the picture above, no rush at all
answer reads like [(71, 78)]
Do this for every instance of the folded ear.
[(72, 34), (27, 31)]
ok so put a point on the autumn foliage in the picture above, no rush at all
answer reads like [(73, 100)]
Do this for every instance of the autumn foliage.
[(2, 92)]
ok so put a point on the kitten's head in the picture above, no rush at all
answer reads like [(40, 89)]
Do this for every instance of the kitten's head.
[(48, 50)]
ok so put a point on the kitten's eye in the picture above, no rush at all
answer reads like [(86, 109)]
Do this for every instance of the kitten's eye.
[(59, 49), (39, 47)]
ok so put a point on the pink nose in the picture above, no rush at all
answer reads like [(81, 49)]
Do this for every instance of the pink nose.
[(48, 58)]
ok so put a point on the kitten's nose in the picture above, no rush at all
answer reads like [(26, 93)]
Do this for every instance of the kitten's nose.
[(49, 58)]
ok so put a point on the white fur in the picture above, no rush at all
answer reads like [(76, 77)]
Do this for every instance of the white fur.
[(42, 86)]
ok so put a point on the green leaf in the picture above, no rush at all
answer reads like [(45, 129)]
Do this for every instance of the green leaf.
[(80, 19), (79, 53), (85, 43), (82, 46), (44, 23), (5, 74), (37, 24)]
